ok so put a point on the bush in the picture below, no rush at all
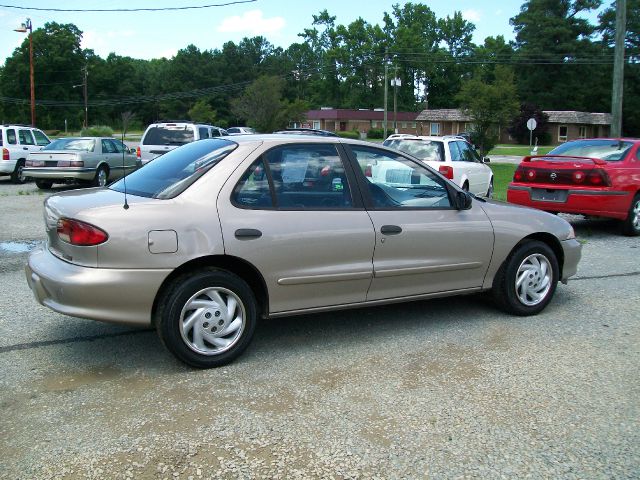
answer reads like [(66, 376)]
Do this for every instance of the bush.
[(97, 131), (352, 134), (375, 133)]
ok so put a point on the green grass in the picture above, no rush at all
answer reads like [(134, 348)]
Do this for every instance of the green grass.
[(502, 175), (517, 150)]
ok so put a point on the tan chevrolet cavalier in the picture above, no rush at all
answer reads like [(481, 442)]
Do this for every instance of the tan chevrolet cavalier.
[(206, 239)]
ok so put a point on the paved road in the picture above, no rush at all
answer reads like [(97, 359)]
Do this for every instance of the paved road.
[(445, 388)]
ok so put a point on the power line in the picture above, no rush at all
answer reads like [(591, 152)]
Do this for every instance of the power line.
[(93, 10)]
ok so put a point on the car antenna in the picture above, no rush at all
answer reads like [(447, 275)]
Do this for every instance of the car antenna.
[(126, 116)]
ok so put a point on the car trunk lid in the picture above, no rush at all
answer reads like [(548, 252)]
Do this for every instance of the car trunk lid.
[(552, 170), (52, 158)]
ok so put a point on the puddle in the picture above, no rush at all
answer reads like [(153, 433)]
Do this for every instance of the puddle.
[(17, 247)]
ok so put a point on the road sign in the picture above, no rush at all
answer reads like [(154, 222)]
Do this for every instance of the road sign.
[(532, 124)]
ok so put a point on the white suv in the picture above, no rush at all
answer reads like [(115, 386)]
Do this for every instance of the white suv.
[(453, 157), (162, 137), (17, 141)]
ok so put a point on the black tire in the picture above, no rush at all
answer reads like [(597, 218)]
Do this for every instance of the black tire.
[(465, 186), (17, 176), (102, 176), (514, 300), (490, 189), (199, 287), (631, 226), (43, 184)]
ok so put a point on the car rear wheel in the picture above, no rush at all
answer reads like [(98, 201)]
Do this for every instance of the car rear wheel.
[(527, 280), (465, 186), (102, 176), (207, 318), (18, 173), (631, 226), (43, 184)]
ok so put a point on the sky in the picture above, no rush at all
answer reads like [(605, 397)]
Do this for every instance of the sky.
[(149, 35)]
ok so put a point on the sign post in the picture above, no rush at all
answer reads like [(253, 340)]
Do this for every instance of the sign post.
[(531, 125)]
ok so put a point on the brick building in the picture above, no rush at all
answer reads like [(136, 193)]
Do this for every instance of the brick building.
[(341, 120)]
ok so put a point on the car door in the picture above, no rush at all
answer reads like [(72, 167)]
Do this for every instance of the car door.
[(110, 155), (478, 172), (123, 162), (293, 214), (27, 142), (424, 245)]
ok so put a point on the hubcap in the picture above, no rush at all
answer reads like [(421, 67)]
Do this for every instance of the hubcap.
[(21, 177), (635, 219), (212, 321), (533, 279), (102, 177)]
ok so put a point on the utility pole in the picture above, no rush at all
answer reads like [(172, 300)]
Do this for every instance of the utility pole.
[(396, 81), (386, 90), (86, 94), (28, 26), (618, 69)]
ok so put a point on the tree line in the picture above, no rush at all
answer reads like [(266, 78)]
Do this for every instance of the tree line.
[(559, 60)]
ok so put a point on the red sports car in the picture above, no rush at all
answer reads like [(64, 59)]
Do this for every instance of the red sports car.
[(594, 177)]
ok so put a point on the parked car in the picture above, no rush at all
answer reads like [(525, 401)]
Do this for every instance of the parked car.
[(394, 136), (223, 231), (17, 141), (162, 137), (595, 177), (308, 131), (97, 160), (240, 131), (452, 156)]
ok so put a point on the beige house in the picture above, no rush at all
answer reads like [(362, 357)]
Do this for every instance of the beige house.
[(562, 126), (342, 119)]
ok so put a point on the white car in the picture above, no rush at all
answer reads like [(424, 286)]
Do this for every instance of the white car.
[(162, 137), (453, 157), (241, 131), (17, 142)]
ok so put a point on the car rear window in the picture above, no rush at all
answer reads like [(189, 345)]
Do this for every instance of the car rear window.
[(428, 150), (79, 144), (609, 150), (169, 135), (171, 174)]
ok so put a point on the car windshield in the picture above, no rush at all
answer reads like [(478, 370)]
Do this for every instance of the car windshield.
[(169, 175), (169, 135), (79, 144), (609, 150), (429, 150)]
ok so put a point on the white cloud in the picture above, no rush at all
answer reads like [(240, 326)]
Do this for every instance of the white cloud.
[(251, 22), (103, 42), (168, 53), (472, 15)]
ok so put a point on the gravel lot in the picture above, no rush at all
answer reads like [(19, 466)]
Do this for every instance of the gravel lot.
[(440, 389)]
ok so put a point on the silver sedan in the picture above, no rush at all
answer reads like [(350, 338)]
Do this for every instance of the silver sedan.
[(97, 160), (212, 236)]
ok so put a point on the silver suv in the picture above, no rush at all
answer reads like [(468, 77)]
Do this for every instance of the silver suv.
[(160, 138), (17, 141)]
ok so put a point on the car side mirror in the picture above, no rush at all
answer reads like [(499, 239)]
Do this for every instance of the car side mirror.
[(486, 160), (463, 200)]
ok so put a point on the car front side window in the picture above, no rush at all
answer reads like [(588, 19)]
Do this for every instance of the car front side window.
[(41, 138), (397, 182)]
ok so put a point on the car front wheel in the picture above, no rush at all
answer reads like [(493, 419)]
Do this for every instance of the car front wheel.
[(207, 318), (527, 280), (631, 226)]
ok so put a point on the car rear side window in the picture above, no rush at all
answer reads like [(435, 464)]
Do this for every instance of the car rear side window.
[(168, 135), (25, 137), (11, 137), (172, 173), (297, 177)]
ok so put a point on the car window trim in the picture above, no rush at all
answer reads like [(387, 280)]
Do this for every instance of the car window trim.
[(363, 183)]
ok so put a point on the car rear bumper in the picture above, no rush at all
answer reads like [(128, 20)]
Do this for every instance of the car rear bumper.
[(602, 203), (60, 173), (7, 166), (572, 250), (94, 293)]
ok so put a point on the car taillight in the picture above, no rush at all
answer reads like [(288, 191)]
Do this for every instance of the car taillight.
[(599, 178), (80, 233), (446, 171), (578, 177), (138, 152), (368, 171), (517, 175), (5, 154), (530, 175)]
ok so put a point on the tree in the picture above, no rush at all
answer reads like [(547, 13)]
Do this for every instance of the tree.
[(490, 105), (518, 126), (202, 112), (261, 104)]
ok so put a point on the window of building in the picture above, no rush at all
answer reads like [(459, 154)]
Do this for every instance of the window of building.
[(562, 133), (434, 129), (582, 132), (414, 125), (403, 125), (316, 124)]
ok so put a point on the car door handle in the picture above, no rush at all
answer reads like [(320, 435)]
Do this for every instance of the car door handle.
[(25, 148), (247, 233), (390, 229)]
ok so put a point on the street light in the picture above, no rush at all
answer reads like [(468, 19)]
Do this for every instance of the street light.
[(26, 26)]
